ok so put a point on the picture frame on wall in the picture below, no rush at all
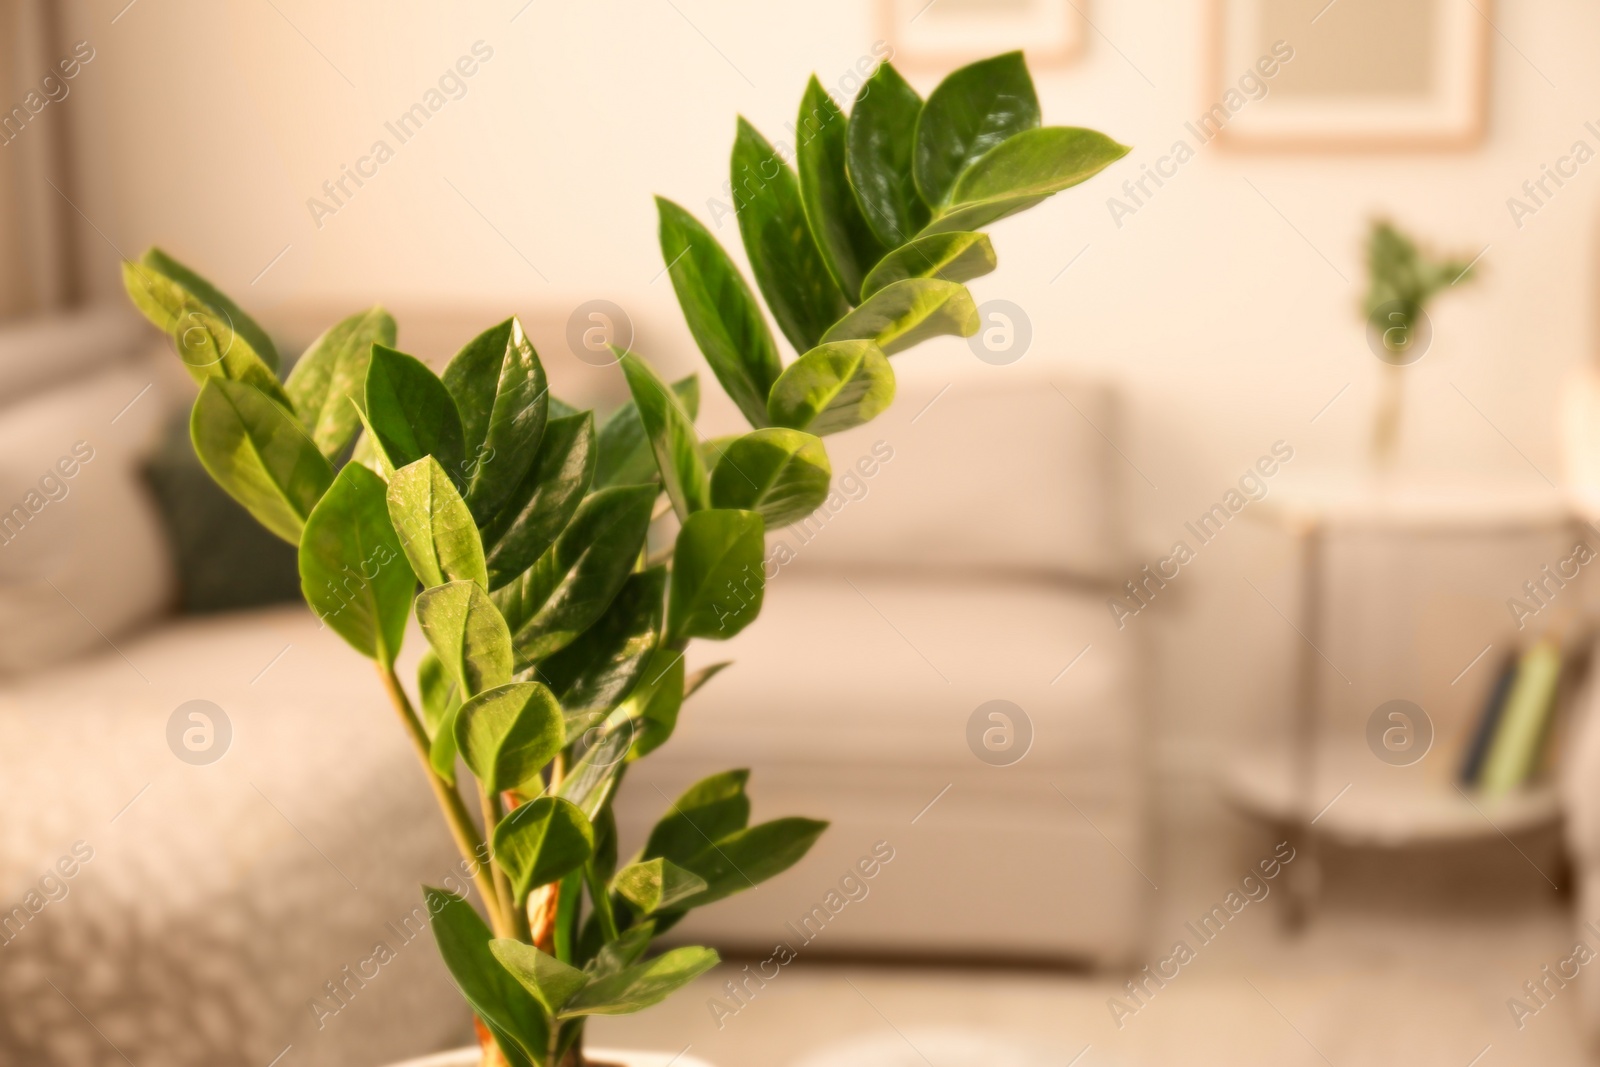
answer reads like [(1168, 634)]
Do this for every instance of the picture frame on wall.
[(1365, 75), (941, 33)]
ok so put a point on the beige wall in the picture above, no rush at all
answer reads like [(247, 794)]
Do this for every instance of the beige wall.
[(208, 125)]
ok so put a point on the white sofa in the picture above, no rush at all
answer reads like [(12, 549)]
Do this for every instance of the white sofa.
[(973, 566), (220, 899)]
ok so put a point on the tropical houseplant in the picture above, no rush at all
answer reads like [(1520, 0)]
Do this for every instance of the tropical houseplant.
[(1402, 280), (565, 565)]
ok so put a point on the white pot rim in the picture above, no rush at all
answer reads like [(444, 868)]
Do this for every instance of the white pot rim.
[(469, 1057)]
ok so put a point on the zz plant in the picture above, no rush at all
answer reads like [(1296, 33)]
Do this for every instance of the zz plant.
[(556, 631)]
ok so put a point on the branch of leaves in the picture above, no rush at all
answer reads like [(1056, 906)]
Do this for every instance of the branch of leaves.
[(872, 238), (700, 853)]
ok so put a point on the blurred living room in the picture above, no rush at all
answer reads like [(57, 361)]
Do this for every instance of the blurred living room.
[(856, 534)]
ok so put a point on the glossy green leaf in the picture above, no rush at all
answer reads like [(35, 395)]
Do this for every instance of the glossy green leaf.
[(642, 985), (972, 111), (1019, 173), (748, 857), (709, 810), (332, 372), (495, 995), (411, 412), (652, 885), (909, 312), (542, 506), (203, 334), (600, 668), (435, 527), (881, 142), (572, 584), (654, 703), (258, 453), (353, 571), (624, 952), (721, 312), (507, 734), (717, 575), (598, 753), (551, 982), (367, 451), (957, 256), (848, 245), (441, 700), (541, 842), (500, 391), (780, 474), (468, 635), (671, 434), (626, 457), (799, 290), (214, 299), (833, 387)]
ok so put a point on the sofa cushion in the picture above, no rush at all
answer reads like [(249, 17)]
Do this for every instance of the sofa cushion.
[(82, 554), (1001, 472)]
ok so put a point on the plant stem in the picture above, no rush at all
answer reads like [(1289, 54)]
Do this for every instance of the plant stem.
[(492, 813), (473, 850), (602, 902)]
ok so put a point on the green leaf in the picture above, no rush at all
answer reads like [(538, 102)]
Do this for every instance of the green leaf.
[(507, 734), (208, 345), (367, 451), (332, 372), (495, 996), (881, 142), (1025, 170), (908, 313), (748, 857), (953, 257), (468, 635), (693, 682), (441, 700), (218, 303), (543, 504), (434, 525), (781, 475), (833, 387), (541, 842), (711, 809), (551, 982), (625, 454), (717, 576), (600, 668), (500, 390), (847, 242), (722, 314), (411, 413), (784, 257), (972, 111), (671, 435), (653, 705), (652, 885), (598, 754), (353, 571), (642, 985), (259, 454), (623, 952), (572, 584)]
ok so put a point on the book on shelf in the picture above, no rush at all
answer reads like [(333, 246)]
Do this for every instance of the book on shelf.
[(1524, 720), (1488, 722)]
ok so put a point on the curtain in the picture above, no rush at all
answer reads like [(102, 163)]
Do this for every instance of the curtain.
[(37, 269)]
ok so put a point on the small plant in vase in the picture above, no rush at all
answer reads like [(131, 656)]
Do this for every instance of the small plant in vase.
[(517, 529), (1402, 280)]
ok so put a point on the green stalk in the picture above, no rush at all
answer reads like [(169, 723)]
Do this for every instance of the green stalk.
[(493, 811), (473, 850), (567, 916), (602, 902)]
